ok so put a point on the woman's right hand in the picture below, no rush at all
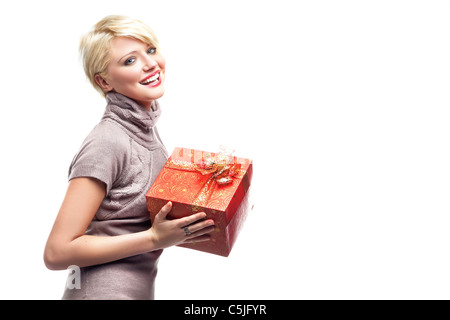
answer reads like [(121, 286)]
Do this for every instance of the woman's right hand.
[(166, 233)]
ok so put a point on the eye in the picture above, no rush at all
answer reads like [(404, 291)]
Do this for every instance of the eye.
[(151, 50), (129, 61)]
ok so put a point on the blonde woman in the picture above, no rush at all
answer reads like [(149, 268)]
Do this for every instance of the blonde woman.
[(103, 226)]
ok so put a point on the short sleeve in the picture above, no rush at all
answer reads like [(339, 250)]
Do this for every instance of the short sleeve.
[(102, 155)]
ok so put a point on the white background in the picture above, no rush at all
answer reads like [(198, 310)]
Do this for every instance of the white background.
[(342, 105)]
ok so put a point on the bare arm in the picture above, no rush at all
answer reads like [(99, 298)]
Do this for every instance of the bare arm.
[(68, 245)]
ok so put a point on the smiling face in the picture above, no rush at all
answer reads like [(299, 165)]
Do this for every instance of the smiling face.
[(136, 70)]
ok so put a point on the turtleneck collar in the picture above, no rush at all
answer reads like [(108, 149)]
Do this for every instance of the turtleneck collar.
[(137, 121)]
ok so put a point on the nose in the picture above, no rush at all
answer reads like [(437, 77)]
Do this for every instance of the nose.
[(149, 63)]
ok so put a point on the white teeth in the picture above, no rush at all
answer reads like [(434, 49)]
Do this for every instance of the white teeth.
[(154, 78)]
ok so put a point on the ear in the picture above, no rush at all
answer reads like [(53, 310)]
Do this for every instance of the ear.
[(102, 83)]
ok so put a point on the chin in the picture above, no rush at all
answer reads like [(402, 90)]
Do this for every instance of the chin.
[(153, 97)]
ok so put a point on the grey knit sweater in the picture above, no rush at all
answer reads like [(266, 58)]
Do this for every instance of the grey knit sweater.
[(125, 152)]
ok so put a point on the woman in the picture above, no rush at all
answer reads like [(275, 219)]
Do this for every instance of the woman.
[(103, 225)]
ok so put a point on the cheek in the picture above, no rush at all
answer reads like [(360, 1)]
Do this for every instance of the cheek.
[(122, 76), (161, 62)]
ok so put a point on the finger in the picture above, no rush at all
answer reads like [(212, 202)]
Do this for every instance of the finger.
[(196, 227), (182, 222), (162, 214), (201, 232), (202, 238)]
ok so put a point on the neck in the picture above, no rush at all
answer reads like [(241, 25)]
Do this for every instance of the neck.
[(147, 105)]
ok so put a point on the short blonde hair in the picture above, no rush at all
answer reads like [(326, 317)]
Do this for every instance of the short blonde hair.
[(95, 45)]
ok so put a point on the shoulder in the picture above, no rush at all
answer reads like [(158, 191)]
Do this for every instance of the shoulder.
[(103, 155), (108, 130), (108, 136)]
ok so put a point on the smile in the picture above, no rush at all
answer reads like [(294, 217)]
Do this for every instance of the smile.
[(152, 80)]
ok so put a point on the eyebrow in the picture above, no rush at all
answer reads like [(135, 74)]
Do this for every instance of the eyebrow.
[(134, 51)]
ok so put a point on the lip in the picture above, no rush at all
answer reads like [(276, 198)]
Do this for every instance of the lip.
[(151, 75)]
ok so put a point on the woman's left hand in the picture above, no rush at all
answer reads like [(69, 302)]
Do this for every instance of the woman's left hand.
[(166, 233)]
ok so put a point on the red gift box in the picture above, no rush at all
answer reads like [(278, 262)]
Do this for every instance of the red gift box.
[(198, 181)]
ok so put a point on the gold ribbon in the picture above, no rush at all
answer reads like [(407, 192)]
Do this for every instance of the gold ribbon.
[(222, 169)]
